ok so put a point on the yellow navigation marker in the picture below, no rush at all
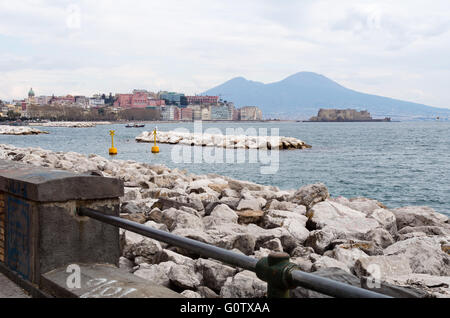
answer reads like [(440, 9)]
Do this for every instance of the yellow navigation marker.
[(112, 150), (155, 148)]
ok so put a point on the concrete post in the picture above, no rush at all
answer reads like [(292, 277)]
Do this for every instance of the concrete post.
[(39, 229)]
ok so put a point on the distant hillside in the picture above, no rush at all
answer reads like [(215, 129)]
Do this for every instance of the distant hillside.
[(301, 95)]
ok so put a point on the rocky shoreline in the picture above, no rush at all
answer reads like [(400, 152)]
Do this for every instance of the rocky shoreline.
[(19, 130), (339, 238), (70, 124), (223, 141)]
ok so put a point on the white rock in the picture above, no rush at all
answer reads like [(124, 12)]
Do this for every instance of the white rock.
[(184, 276), (157, 274), (425, 255), (341, 219), (418, 216), (348, 256), (244, 285), (310, 194), (382, 267), (214, 274), (190, 294), (328, 262)]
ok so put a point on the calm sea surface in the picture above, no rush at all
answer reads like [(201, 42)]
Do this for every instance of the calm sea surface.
[(398, 164)]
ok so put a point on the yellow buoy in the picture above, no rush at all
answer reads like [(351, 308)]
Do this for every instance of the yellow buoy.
[(112, 150), (155, 148)]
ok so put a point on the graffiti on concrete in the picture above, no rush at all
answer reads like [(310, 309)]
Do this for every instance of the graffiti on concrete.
[(104, 288), (18, 236)]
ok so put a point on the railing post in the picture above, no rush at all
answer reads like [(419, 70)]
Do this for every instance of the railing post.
[(275, 270)]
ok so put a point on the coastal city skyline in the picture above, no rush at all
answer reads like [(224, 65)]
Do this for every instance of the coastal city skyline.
[(81, 47)]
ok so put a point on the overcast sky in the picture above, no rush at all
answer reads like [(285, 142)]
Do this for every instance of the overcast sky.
[(398, 49)]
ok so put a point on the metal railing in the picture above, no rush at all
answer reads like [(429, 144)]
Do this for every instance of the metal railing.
[(280, 274)]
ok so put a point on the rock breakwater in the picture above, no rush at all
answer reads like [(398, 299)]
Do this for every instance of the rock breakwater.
[(19, 130), (224, 141), (343, 239), (70, 124)]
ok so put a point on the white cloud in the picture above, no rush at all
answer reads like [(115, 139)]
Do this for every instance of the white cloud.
[(392, 48)]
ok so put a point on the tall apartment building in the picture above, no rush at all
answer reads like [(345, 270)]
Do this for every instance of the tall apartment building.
[(206, 113), (220, 113), (196, 112), (169, 113), (251, 113)]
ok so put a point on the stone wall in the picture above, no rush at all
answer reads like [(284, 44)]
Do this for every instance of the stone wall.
[(342, 115)]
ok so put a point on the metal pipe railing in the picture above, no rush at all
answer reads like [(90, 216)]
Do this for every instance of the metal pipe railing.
[(281, 274)]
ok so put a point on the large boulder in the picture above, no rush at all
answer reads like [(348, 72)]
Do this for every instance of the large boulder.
[(285, 206), (310, 194), (251, 204), (433, 286), (276, 218), (296, 227), (320, 240), (382, 267), (348, 255), (418, 216), (427, 230), (138, 245), (244, 285), (176, 219), (184, 276), (250, 216), (223, 213), (171, 256), (214, 273), (386, 219), (425, 255), (157, 274), (340, 219), (360, 204), (379, 237), (328, 262)]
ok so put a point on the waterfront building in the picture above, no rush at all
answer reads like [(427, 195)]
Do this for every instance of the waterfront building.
[(171, 98), (250, 113), (202, 100), (82, 101), (96, 102), (220, 113), (43, 100), (236, 115), (139, 99), (62, 100), (196, 112), (187, 114), (206, 113), (169, 113)]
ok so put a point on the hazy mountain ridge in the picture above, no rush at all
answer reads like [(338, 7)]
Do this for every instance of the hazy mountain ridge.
[(301, 95)]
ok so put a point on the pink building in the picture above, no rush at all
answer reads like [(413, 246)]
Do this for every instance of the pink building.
[(202, 99), (176, 114), (137, 100), (62, 100), (156, 102), (187, 114)]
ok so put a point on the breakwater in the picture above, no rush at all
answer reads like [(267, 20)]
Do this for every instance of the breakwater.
[(341, 238)]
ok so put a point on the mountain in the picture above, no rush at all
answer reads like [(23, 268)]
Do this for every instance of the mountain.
[(301, 95)]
